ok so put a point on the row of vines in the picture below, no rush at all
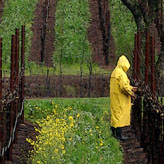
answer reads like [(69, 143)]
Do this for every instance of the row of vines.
[(12, 99), (147, 112)]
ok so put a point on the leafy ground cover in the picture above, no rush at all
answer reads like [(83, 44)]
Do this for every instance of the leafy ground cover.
[(72, 131)]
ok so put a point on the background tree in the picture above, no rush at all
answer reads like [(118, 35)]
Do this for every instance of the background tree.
[(146, 13), (123, 28)]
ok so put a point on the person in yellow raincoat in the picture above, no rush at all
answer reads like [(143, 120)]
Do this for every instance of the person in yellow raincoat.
[(120, 97)]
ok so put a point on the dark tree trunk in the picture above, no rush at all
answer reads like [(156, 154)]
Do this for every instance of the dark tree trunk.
[(160, 71), (146, 13)]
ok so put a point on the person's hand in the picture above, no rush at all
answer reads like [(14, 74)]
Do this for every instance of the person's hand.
[(134, 89), (133, 96)]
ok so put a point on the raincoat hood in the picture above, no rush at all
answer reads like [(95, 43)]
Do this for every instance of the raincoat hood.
[(123, 63)]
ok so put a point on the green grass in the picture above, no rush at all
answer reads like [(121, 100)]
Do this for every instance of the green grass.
[(74, 69), (87, 141)]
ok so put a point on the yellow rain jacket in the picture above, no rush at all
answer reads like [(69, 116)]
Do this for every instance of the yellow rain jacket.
[(120, 94)]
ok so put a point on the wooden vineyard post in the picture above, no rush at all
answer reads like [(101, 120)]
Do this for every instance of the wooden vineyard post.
[(138, 54), (22, 68), (12, 106), (16, 83), (153, 66), (135, 58), (147, 52), (1, 108)]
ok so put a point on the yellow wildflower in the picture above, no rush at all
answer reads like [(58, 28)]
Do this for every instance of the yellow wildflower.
[(30, 141), (70, 118), (48, 117), (56, 150), (101, 144), (78, 115), (71, 124), (54, 111), (70, 108), (57, 120), (62, 146)]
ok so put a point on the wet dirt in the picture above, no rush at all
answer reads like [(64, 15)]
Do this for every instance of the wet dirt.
[(133, 153), (21, 147)]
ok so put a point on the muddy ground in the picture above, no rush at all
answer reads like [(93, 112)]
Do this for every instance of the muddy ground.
[(22, 148), (67, 86)]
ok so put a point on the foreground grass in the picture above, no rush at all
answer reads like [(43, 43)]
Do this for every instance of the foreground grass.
[(72, 131)]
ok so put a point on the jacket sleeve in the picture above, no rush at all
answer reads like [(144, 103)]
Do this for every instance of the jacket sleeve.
[(125, 86)]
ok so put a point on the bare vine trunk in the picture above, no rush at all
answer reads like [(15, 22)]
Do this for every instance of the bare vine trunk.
[(160, 71)]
